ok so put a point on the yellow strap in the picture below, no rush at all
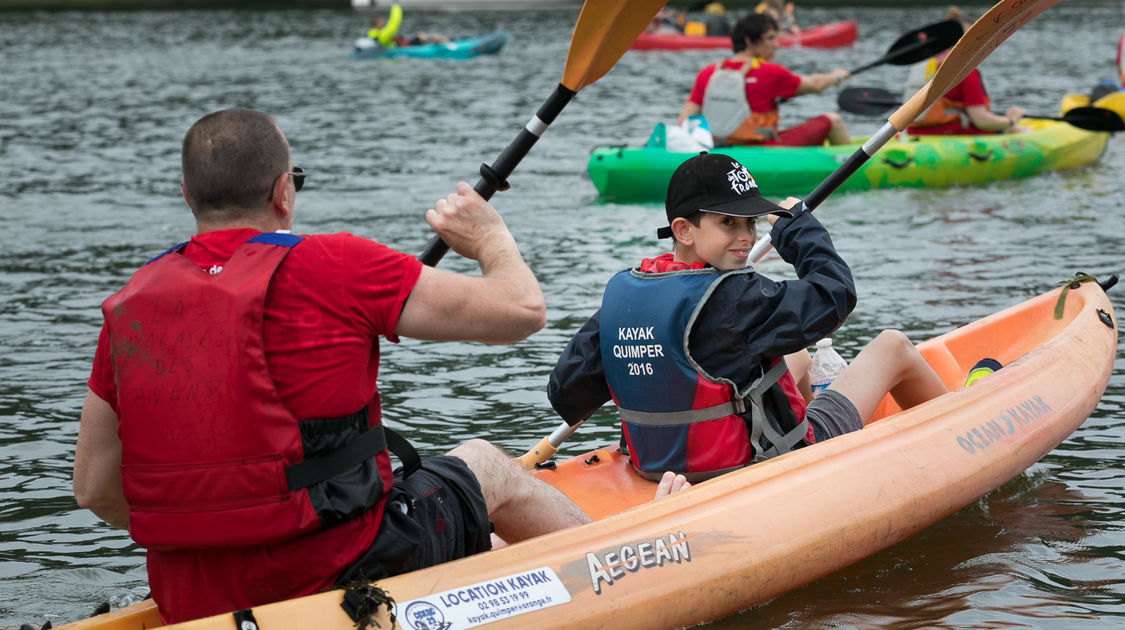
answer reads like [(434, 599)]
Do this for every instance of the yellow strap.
[(1073, 283)]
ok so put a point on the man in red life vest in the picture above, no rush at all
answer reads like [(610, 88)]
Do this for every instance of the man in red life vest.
[(232, 421), (739, 96)]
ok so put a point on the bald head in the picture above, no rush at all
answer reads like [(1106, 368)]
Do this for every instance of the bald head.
[(231, 159)]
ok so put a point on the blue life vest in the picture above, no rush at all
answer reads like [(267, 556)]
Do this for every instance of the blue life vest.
[(675, 416)]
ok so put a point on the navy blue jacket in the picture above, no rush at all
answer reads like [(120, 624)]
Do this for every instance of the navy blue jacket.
[(749, 318)]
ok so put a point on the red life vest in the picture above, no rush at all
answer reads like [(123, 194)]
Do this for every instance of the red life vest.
[(211, 456)]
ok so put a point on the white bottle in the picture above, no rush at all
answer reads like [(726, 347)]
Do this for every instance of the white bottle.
[(826, 366)]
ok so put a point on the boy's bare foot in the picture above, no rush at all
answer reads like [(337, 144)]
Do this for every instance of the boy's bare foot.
[(671, 483)]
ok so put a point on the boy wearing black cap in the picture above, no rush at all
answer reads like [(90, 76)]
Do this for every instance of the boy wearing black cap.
[(691, 345)]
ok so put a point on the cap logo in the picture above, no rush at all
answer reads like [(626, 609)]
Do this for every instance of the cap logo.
[(740, 179)]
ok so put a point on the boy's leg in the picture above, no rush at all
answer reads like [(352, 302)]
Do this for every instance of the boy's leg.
[(798, 364), (889, 363), (838, 134), (519, 505)]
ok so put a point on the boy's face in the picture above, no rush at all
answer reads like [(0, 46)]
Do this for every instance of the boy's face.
[(721, 241), (766, 47)]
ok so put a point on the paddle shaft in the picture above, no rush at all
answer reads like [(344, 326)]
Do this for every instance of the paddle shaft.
[(832, 182), (547, 447), (494, 177)]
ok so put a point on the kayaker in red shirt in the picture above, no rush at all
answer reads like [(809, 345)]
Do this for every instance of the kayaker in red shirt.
[(699, 374), (233, 422), (966, 108), (740, 96)]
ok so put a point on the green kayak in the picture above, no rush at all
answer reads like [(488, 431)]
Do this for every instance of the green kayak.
[(636, 174)]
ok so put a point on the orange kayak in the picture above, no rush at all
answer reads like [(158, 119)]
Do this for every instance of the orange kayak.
[(746, 537), (830, 35)]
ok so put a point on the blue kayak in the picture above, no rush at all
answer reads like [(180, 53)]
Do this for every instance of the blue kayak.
[(488, 43)]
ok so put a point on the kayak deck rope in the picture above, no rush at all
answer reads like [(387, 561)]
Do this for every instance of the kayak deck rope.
[(362, 600), (1073, 283)]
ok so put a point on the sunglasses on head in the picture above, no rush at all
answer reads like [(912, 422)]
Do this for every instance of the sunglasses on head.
[(298, 174)]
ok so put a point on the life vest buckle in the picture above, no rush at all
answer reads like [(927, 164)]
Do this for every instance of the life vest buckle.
[(740, 405)]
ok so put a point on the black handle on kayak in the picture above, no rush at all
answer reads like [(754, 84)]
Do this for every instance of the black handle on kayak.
[(495, 177)]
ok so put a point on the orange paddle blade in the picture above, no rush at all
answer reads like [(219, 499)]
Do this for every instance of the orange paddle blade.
[(603, 33), (988, 32)]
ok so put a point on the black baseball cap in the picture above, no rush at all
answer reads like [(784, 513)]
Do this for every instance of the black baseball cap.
[(711, 182)]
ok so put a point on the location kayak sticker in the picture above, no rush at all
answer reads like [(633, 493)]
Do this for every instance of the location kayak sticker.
[(484, 602)]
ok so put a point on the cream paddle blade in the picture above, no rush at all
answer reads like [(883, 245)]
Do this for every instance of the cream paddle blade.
[(602, 34)]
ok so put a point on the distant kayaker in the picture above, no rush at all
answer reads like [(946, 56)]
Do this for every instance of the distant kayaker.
[(780, 11), (667, 21), (706, 359), (712, 23), (715, 20), (966, 108), (384, 31), (739, 96), (232, 421)]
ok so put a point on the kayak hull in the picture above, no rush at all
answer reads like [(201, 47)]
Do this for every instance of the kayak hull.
[(641, 174), (831, 35), (746, 537), (466, 48)]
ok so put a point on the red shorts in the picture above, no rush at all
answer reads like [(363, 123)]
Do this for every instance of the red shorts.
[(811, 133)]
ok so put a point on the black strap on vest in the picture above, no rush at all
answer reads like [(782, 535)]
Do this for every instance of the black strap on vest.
[(322, 468), (367, 445), (404, 451)]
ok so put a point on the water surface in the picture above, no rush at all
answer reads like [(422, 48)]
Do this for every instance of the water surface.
[(93, 110)]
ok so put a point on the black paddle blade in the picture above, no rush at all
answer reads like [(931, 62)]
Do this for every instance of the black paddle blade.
[(925, 42), (866, 101), (919, 44), (1094, 119)]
